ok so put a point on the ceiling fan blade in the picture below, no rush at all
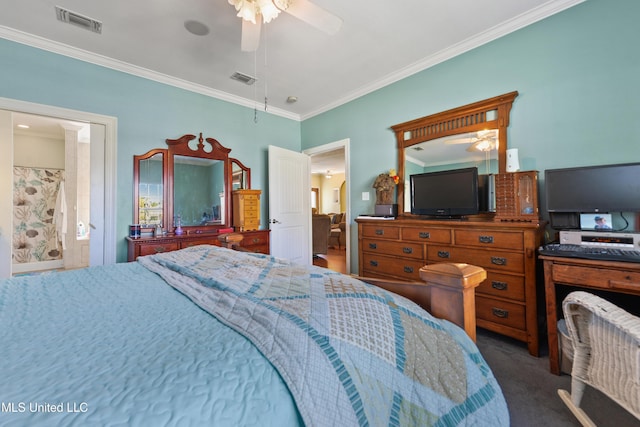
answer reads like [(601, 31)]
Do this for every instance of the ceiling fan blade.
[(315, 16), (250, 36), (467, 140)]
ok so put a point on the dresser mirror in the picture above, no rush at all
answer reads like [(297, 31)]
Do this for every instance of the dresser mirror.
[(471, 135), (479, 149), (189, 183), (198, 191), (149, 174)]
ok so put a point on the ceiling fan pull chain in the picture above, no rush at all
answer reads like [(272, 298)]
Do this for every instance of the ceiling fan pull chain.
[(266, 38), (255, 87)]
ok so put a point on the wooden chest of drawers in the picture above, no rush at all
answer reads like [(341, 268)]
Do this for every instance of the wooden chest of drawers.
[(506, 302), (254, 241), (246, 209)]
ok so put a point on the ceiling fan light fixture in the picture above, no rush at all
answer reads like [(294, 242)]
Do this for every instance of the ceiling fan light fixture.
[(251, 10), (247, 9), (268, 10)]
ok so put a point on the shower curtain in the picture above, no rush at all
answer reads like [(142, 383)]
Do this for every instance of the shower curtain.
[(34, 200)]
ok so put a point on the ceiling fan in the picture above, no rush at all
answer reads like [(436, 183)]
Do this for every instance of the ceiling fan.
[(256, 12)]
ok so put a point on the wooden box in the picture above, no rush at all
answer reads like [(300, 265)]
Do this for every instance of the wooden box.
[(517, 196)]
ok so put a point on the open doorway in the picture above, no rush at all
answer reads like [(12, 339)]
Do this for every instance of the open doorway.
[(51, 193), (330, 196), (101, 167)]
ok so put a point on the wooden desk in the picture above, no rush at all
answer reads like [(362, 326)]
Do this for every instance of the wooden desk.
[(611, 276)]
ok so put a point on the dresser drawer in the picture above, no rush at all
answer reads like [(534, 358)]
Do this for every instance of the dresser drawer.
[(254, 239), (503, 285), (596, 277), (502, 312), (258, 249), (485, 258), (251, 202), (489, 239), (206, 241), (157, 248), (377, 230), (426, 234), (377, 265), (385, 247), (251, 214)]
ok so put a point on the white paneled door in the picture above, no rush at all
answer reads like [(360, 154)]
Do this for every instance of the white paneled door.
[(289, 204)]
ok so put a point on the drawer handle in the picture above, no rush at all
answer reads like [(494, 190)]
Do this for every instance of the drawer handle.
[(499, 312), (424, 235), (485, 239), (160, 249), (373, 246), (373, 263), (256, 240), (407, 250), (443, 254), (408, 269), (498, 260), (501, 286), (379, 232)]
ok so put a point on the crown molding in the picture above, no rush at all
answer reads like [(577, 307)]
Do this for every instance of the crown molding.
[(114, 64), (534, 15)]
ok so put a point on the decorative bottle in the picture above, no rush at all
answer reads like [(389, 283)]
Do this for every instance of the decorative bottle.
[(179, 230)]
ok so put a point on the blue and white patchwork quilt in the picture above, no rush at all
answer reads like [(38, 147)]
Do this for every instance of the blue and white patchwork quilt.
[(350, 353)]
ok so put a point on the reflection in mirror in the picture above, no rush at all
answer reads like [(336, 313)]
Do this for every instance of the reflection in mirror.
[(206, 206), (479, 149), (151, 191), (240, 175)]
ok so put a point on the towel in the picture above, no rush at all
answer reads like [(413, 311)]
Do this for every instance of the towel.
[(60, 216)]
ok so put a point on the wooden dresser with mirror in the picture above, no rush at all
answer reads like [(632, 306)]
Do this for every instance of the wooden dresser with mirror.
[(505, 246), (182, 197)]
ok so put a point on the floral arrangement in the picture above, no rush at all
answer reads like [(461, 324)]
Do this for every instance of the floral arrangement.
[(394, 176)]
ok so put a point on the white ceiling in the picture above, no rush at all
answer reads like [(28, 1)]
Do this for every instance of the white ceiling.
[(379, 42)]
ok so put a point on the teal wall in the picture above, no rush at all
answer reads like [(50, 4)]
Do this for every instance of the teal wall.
[(147, 113), (579, 97), (576, 73)]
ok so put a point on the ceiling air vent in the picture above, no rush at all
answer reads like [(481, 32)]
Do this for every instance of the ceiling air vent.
[(244, 78), (74, 18)]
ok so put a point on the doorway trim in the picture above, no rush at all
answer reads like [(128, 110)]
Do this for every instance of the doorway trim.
[(332, 146), (110, 151)]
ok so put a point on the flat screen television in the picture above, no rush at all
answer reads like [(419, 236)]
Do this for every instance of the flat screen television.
[(450, 193), (605, 188)]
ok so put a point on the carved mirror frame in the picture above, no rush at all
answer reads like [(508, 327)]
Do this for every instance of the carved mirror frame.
[(234, 172), (492, 113)]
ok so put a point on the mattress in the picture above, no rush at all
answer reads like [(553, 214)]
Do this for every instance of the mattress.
[(211, 336)]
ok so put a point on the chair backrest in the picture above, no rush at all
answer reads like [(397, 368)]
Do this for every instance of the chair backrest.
[(320, 229), (606, 342)]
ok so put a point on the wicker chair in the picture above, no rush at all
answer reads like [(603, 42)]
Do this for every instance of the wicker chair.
[(606, 342)]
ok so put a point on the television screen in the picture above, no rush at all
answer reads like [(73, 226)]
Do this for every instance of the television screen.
[(450, 193), (606, 188)]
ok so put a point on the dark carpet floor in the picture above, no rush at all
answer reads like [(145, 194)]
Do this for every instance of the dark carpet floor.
[(531, 390)]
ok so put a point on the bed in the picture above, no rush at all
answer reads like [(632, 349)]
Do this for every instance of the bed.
[(211, 336)]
